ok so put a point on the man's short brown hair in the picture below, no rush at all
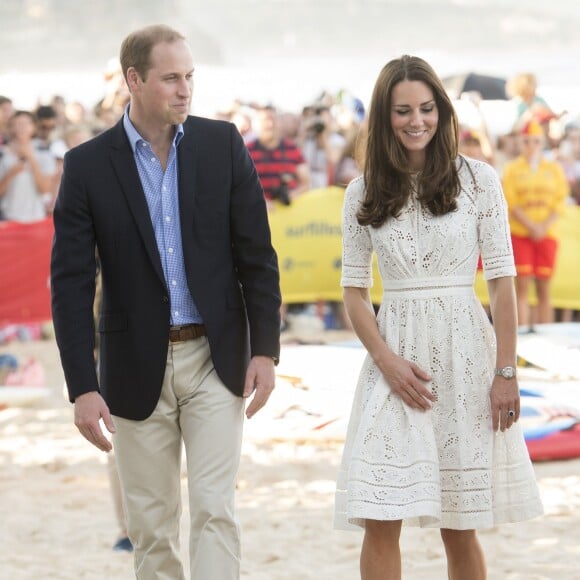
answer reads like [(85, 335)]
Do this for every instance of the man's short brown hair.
[(136, 48)]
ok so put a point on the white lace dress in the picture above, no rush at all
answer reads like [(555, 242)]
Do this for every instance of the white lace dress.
[(444, 467)]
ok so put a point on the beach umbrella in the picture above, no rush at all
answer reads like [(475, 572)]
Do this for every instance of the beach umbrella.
[(489, 87)]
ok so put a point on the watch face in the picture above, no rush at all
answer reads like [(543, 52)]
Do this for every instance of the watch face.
[(508, 372)]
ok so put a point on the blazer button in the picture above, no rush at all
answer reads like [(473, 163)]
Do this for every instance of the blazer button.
[(165, 300)]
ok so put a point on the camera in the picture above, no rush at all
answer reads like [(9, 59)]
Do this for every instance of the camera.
[(282, 192), (316, 127)]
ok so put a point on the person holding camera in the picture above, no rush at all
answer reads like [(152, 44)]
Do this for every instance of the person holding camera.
[(26, 172), (322, 147), (281, 167)]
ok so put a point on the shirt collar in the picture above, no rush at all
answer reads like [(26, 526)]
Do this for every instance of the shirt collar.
[(134, 136)]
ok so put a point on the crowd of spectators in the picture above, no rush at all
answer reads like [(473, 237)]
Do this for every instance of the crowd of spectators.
[(294, 151), (33, 144), (321, 145), (538, 161)]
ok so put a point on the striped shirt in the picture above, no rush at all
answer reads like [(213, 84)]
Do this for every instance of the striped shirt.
[(273, 164)]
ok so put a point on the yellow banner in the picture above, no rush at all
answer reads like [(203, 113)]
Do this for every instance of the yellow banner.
[(308, 238), (565, 287)]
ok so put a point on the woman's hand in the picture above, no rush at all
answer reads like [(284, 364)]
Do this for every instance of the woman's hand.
[(505, 399), (407, 380), (536, 231)]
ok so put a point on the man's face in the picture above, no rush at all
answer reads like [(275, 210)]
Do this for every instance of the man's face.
[(45, 128), (267, 124), (164, 96)]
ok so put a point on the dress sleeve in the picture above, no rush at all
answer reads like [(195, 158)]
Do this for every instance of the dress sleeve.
[(357, 246), (493, 226)]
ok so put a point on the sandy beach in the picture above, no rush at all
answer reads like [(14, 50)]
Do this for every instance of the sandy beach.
[(58, 521)]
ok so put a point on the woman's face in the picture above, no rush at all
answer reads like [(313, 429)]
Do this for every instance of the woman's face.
[(531, 146), (414, 118), (22, 128)]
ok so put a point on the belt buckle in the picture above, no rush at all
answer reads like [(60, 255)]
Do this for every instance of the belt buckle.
[(175, 334), (186, 332)]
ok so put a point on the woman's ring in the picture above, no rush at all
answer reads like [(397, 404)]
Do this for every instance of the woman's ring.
[(511, 413)]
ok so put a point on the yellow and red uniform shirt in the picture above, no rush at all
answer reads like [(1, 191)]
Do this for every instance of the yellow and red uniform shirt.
[(539, 193)]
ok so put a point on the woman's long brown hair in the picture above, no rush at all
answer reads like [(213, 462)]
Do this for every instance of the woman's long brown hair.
[(386, 169)]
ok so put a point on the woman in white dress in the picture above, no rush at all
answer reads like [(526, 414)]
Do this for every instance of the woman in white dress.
[(433, 438)]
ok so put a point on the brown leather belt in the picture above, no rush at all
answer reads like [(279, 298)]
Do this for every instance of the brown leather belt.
[(186, 332)]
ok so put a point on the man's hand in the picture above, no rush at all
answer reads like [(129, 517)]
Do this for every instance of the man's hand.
[(89, 409), (259, 377)]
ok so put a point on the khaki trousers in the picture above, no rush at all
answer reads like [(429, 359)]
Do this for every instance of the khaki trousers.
[(194, 407), (117, 494)]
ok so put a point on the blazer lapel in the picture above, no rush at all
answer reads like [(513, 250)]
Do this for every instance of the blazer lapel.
[(128, 176), (187, 159)]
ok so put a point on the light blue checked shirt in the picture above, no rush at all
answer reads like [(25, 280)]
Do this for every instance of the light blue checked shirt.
[(161, 192)]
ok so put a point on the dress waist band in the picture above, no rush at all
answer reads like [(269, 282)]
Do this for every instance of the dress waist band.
[(428, 287)]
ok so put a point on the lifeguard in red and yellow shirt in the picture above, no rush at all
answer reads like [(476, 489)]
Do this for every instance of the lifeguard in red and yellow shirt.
[(536, 190)]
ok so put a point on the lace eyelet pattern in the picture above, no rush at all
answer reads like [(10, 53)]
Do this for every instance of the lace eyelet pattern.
[(445, 467)]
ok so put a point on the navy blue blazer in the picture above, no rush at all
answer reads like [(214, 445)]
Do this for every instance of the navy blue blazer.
[(231, 267)]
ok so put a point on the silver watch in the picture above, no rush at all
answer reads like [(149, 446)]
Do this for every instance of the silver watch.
[(506, 372)]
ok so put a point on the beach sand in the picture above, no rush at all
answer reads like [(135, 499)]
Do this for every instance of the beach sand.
[(57, 518)]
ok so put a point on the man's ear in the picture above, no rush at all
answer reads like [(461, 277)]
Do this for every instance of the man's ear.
[(133, 78)]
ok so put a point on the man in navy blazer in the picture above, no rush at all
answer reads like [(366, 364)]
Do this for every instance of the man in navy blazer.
[(189, 322)]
